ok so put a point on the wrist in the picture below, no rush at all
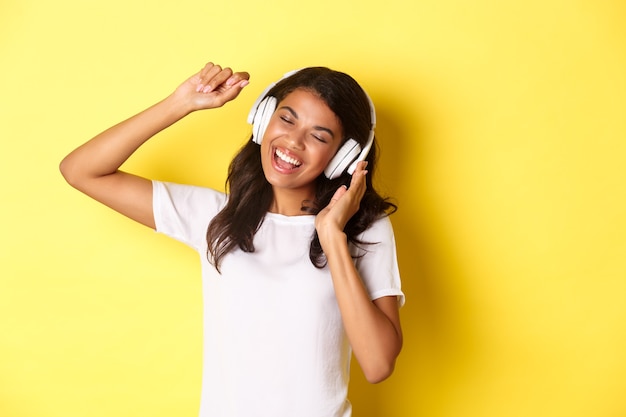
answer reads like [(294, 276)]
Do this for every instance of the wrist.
[(178, 106), (332, 238)]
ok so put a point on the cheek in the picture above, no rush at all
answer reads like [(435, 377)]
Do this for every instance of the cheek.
[(265, 153), (330, 154), (273, 127), (322, 159)]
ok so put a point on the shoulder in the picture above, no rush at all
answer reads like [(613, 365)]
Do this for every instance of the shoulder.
[(183, 211), (182, 200), (377, 240), (380, 229)]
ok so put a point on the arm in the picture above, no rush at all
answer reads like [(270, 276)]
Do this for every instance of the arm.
[(93, 168), (373, 327)]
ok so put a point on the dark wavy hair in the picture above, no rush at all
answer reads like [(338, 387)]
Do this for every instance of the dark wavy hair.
[(250, 194)]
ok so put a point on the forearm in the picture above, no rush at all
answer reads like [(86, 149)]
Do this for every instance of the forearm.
[(106, 152), (374, 334)]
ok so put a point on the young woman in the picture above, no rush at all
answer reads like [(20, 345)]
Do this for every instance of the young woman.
[(298, 258)]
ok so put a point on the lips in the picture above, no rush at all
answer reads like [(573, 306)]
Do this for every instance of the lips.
[(284, 161)]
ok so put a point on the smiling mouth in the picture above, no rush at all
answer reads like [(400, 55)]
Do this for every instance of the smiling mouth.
[(283, 158)]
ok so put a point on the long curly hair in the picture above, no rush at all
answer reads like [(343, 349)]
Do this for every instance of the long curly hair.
[(250, 194)]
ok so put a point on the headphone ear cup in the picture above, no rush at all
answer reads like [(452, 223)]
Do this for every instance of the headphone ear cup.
[(262, 118), (342, 159)]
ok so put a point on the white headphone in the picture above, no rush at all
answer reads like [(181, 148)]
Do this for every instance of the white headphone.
[(346, 158)]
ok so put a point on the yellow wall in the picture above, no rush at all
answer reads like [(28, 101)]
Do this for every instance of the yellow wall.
[(503, 132)]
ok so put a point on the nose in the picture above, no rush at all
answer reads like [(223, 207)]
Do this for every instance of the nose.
[(295, 140)]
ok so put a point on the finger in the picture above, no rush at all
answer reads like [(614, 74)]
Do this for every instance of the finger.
[(211, 77), (205, 70), (361, 167), (358, 179), (206, 74), (237, 77), (225, 94), (217, 80), (338, 194)]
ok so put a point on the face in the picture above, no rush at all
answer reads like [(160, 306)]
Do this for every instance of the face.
[(301, 138)]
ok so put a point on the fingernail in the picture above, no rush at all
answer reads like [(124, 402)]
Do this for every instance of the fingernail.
[(206, 89), (199, 87)]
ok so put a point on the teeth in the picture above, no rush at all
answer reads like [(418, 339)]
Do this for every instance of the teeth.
[(287, 158)]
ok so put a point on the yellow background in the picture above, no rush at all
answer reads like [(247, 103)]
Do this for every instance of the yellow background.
[(502, 127)]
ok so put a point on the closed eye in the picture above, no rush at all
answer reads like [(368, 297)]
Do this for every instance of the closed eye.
[(286, 119), (320, 138)]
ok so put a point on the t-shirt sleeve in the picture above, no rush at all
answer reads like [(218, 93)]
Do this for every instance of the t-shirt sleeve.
[(378, 265), (183, 212)]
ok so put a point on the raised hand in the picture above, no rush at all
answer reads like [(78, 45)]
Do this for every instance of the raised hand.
[(343, 205), (212, 87)]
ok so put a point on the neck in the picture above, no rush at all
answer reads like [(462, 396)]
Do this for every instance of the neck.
[(290, 202)]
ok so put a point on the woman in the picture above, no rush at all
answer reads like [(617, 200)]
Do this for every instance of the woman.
[(298, 259)]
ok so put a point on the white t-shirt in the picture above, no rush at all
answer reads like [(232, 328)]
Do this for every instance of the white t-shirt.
[(274, 342)]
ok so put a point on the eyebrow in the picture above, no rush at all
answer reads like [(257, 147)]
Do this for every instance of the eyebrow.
[(322, 128)]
